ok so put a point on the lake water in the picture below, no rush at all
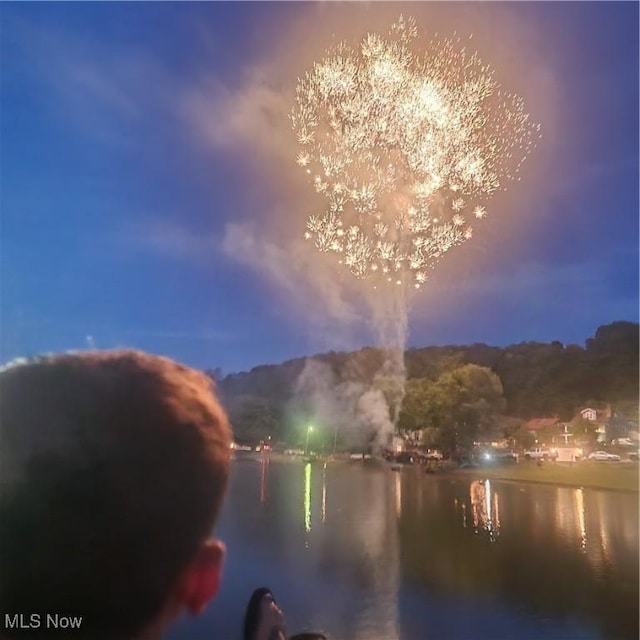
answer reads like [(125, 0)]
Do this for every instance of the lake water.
[(366, 553)]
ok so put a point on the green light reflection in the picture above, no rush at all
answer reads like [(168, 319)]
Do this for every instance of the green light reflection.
[(307, 496)]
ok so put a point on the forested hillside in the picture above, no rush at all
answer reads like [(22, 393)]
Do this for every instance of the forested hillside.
[(538, 379)]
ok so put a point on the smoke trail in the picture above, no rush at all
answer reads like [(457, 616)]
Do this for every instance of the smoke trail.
[(363, 406), (390, 311)]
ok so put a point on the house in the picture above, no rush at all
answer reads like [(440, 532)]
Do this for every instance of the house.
[(601, 414), (568, 453), (566, 448), (601, 417)]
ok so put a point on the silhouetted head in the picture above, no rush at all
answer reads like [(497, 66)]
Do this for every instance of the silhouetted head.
[(113, 468)]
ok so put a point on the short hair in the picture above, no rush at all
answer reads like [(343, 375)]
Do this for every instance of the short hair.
[(113, 468)]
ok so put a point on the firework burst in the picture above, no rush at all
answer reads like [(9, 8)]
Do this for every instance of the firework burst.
[(406, 149)]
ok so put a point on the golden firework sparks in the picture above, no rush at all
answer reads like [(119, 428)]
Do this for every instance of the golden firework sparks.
[(406, 148)]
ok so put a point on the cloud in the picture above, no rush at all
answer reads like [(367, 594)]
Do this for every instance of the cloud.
[(307, 288), (253, 115), (533, 278), (102, 91), (172, 239)]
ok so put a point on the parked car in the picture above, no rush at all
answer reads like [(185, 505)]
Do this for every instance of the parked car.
[(624, 442), (634, 455), (240, 447), (541, 453), (604, 455)]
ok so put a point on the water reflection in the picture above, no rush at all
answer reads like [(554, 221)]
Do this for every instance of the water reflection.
[(403, 555), (324, 493), (590, 522), (264, 469), (354, 555), (559, 553), (485, 508), (307, 496), (578, 497), (595, 523)]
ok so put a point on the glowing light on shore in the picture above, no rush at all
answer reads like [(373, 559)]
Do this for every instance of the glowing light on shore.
[(406, 148)]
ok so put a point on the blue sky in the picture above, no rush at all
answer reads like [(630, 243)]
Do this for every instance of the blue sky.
[(150, 196)]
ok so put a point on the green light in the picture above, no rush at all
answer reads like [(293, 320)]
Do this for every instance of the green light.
[(306, 442)]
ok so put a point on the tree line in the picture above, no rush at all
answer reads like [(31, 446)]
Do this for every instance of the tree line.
[(454, 393)]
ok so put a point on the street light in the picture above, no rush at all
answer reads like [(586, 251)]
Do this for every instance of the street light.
[(306, 443)]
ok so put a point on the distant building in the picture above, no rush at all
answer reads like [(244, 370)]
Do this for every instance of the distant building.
[(566, 448), (568, 453), (599, 414)]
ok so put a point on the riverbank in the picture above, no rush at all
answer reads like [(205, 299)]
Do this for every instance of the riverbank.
[(613, 476), (588, 474)]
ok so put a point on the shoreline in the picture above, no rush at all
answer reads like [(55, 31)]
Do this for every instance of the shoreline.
[(585, 474), (582, 475)]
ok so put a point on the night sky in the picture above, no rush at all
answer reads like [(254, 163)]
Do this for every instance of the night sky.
[(150, 196)]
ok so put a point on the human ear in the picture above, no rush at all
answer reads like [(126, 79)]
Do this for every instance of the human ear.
[(202, 581)]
